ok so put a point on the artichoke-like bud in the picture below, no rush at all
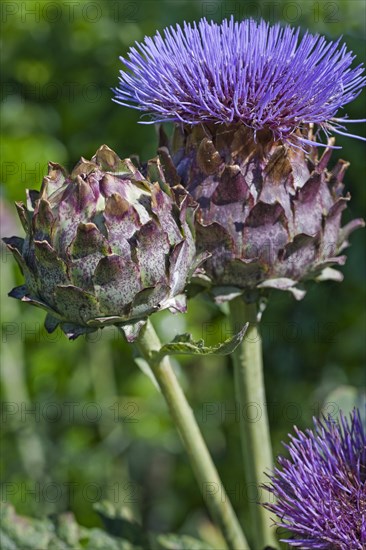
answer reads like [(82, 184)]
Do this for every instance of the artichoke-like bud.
[(269, 213), (104, 246), (244, 95)]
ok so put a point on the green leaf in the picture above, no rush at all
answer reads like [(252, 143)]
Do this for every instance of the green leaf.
[(119, 522), (183, 344), (62, 532)]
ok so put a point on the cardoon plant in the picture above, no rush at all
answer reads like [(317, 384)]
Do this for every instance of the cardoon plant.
[(238, 200), (320, 490), (251, 103), (105, 245)]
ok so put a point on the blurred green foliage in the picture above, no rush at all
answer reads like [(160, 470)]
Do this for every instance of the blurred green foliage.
[(80, 422)]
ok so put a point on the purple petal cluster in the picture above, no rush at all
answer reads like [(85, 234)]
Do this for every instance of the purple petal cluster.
[(320, 490), (251, 72)]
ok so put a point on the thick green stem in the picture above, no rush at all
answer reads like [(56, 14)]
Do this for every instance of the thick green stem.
[(205, 471), (254, 426)]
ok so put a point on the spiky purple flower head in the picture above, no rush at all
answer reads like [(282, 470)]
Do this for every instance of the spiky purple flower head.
[(321, 488), (261, 75)]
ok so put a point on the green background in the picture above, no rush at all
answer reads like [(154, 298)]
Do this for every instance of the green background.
[(80, 422)]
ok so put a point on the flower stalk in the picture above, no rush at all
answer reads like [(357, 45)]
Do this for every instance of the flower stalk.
[(204, 469), (254, 430)]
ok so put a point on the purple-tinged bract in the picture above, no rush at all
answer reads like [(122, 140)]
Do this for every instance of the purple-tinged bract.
[(320, 490), (269, 214), (104, 246), (263, 76)]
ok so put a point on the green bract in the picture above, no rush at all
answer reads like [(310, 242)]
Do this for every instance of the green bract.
[(104, 246)]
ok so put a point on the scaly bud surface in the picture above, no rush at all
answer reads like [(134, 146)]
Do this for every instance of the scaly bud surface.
[(269, 214), (104, 246)]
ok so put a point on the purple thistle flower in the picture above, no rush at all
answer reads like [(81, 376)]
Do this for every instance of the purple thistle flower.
[(321, 490), (261, 75)]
